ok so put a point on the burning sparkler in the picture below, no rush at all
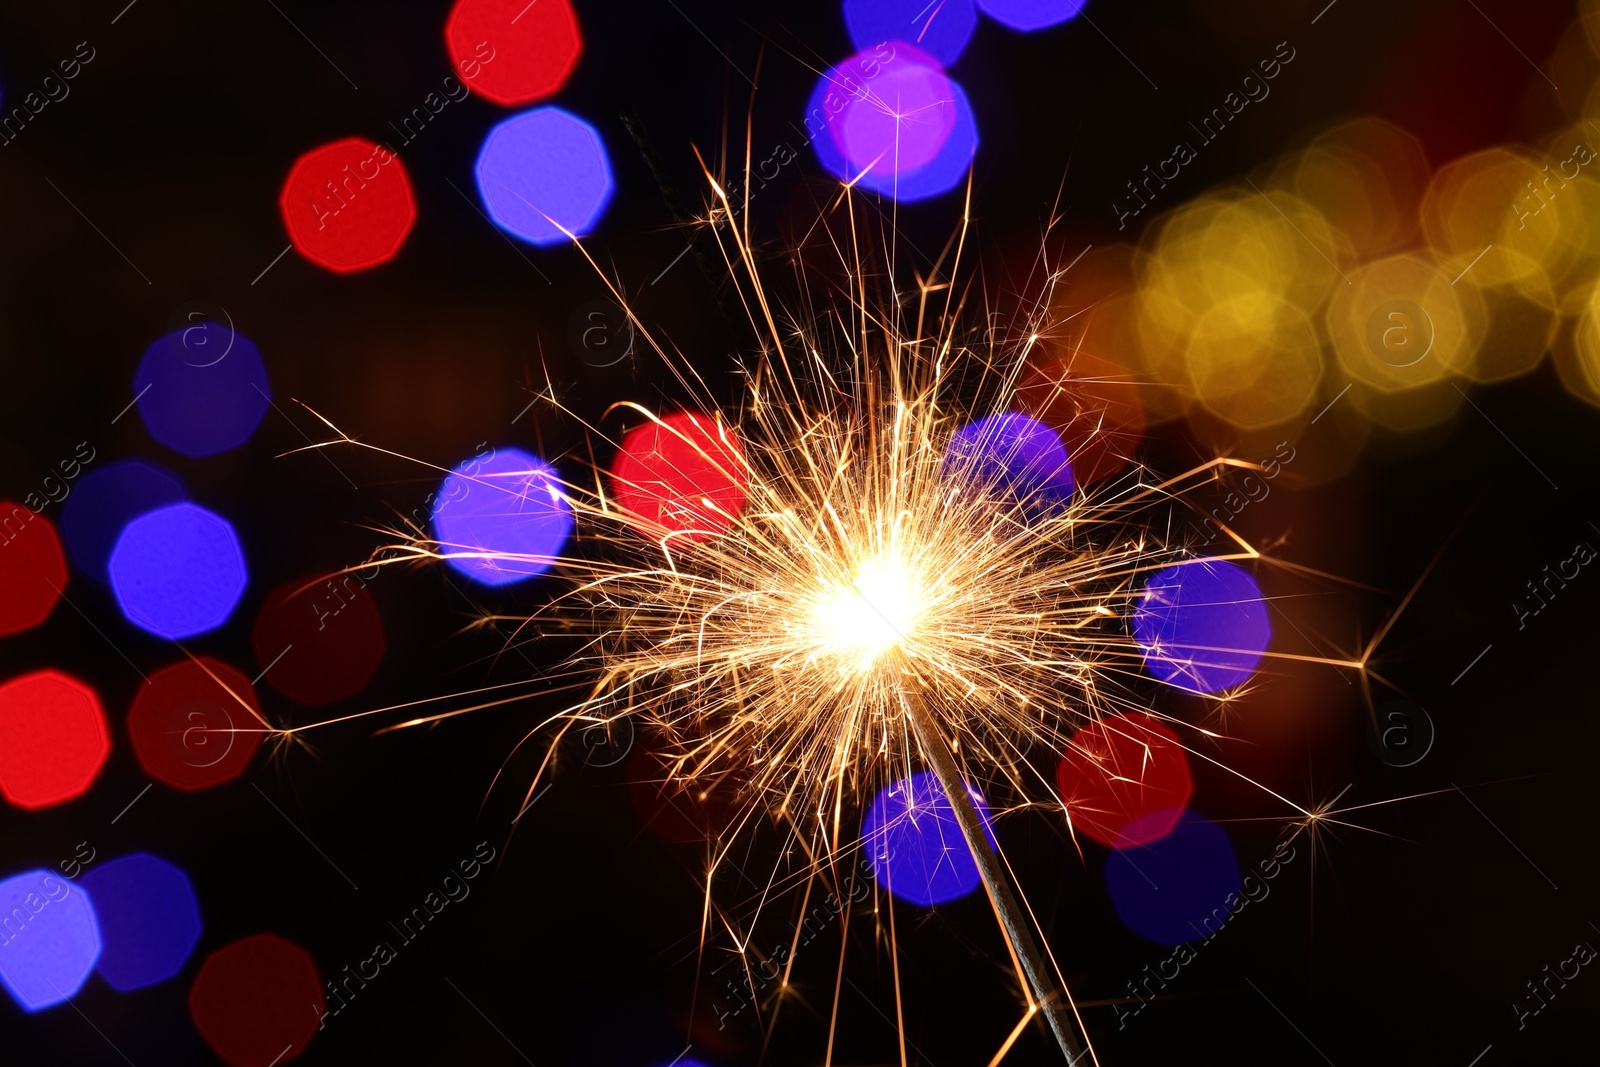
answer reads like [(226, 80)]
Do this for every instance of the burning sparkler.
[(881, 562)]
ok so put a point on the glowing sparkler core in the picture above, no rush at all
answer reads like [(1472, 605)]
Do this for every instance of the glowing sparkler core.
[(879, 609)]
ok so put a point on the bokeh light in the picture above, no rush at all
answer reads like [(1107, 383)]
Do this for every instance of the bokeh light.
[(1401, 324), (544, 174), (53, 739), (1030, 15), (914, 841), (202, 390), (685, 474), (1366, 177), (940, 29), (899, 126), (1125, 780), (149, 919), (676, 808), (49, 940), (105, 500), (513, 51), (319, 639), (1012, 455), (502, 518), (1227, 295), (257, 1001), (195, 724), (1092, 403), (1202, 624), (348, 205), (178, 571), (33, 571), (1178, 888)]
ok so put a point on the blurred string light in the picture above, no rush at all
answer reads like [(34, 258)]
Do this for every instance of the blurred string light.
[(1125, 780), (257, 1001), (684, 813), (544, 176), (1168, 890), (1203, 625), (915, 844), (1031, 15), (1093, 404), (148, 916), (512, 51), (890, 120), (319, 639), (33, 571), (682, 474), (1349, 268), (50, 941), (1013, 455), (202, 390), (348, 205), (53, 739), (196, 724), (941, 28), (502, 519), (105, 500), (178, 571)]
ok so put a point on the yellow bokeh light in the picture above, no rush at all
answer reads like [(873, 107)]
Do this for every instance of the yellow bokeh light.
[(1254, 360), (1400, 324)]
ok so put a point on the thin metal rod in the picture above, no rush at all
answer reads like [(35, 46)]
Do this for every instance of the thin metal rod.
[(1017, 931)]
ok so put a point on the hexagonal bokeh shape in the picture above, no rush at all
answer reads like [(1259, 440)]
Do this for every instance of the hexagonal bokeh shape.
[(178, 571), (544, 176), (32, 569), (49, 941), (105, 500), (149, 920), (53, 739), (319, 639), (512, 51), (194, 400), (196, 724), (250, 998), (348, 205)]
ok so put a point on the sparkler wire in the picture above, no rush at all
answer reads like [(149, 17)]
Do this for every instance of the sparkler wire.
[(1001, 896)]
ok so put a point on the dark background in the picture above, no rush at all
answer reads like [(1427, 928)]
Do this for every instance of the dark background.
[(1403, 945)]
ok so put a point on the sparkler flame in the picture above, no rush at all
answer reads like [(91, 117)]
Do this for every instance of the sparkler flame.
[(879, 602)]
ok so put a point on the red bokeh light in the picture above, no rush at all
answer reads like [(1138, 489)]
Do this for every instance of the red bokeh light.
[(257, 1001), (189, 727), (686, 472), (348, 205), (1125, 780), (319, 639), (1093, 404), (53, 739), (32, 569), (513, 51), (676, 811)]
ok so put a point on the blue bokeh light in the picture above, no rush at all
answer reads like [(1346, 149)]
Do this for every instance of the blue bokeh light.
[(870, 160), (1030, 15), (202, 390), (178, 571), (105, 500), (941, 29), (1203, 625), (1178, 888), (543, 171), (1013, 455), (149, 919), (49, 938), (915, 843), (502, 519)]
